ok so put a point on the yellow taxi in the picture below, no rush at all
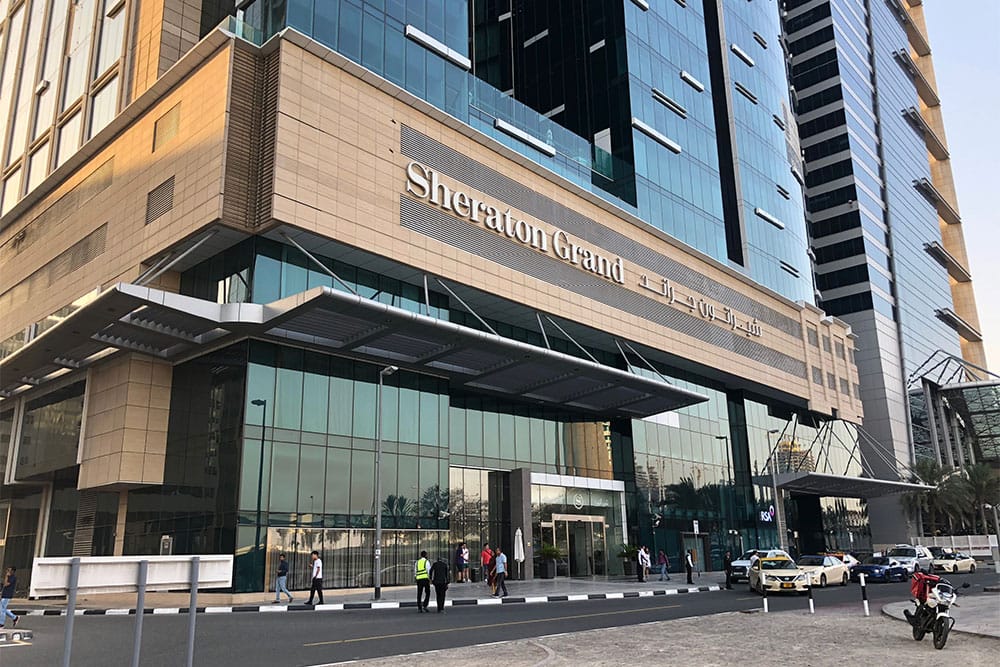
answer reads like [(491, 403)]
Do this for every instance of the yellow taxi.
[(777, 575)]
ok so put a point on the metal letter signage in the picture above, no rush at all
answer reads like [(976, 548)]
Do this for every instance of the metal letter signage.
[(424, 183), (700, 307)]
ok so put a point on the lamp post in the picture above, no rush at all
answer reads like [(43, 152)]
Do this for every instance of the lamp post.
[(377, 575), (262, 404), (996, 529), (779, 518)]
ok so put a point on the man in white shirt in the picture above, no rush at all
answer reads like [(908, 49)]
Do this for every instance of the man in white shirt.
[(689, 565), (317, 577)]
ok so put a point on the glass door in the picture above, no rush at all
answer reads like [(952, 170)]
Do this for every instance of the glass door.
[(582, 539), (562, 544)]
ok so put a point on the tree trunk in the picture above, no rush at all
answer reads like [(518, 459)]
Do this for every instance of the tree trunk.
[(982, 516)]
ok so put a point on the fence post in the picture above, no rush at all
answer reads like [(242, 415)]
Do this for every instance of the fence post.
[(74, 584), (193, 609), (812, 607), (140, 610), (864, 592), (763, 586)]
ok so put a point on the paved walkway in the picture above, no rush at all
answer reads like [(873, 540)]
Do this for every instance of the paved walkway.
[(979, 615), (534, 591), (826, 639)]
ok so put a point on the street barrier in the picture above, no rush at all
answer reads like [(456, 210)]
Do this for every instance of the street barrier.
[(864, 592), (125, 574), (763, 585), (812, 607)]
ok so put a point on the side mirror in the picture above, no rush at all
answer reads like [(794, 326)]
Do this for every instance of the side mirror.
[(966, 584)]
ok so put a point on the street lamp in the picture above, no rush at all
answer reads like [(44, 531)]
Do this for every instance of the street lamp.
[(384, 373), (779, 518), (262, 404), (996, 529)]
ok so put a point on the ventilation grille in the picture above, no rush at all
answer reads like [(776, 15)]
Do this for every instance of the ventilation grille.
[(428, 221), (86, 513), (160, 200), (434, 154)]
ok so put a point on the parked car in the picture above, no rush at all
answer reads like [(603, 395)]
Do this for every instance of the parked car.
[(880, 568), (741, 566), (913, 558), (777, 575), (824, 569), (955, 563)]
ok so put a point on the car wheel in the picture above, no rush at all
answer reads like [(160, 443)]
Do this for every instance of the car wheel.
[(822, 581), (916, 568), (843, 581), (954, 569)]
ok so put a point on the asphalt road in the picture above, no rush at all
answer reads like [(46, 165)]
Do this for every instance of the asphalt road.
[(315, 638)]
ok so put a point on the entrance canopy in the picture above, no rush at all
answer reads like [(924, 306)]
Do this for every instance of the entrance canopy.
[(838, 486), (174, 327)]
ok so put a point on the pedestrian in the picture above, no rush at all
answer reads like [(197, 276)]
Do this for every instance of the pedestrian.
[(664, 564), (458, 563), (647, 562), (754, 557), (640, 562), (465, 563), (317, 577), (281, 580), (486, 559), (689, 564), (422, 573), (6, 593), (440, 577), (501, 573), (727, 565), (493, 570)]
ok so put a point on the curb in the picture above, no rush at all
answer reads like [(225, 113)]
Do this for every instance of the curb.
[(350, 606), (964, 632)]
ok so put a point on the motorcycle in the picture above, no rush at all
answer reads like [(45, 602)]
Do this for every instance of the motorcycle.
[(933, 597)]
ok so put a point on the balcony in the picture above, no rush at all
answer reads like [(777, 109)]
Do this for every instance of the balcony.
[(944, 208), (917, 39), (924, 87), (955, 268), (964, 329), (935, 145)]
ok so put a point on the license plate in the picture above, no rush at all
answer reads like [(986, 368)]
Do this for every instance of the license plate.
[(788, 585)]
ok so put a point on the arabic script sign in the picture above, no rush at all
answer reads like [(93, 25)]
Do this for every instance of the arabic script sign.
[(701, 307)]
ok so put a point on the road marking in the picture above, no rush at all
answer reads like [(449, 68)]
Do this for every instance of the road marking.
[(750, 598), (488, 625)]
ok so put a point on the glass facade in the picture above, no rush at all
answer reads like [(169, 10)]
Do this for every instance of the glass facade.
[(57, 72)]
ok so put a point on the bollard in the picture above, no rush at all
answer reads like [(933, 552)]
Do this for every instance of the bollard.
[(763, 586), (74, 583), (864, 592), (140, 610), (812, 607), (193, 608)]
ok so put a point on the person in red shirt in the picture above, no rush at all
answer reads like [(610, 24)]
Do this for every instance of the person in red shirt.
[(486, 557)]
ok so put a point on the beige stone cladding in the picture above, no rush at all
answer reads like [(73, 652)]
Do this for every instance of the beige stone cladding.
[(339, 173), (90, 230), (125, 433)]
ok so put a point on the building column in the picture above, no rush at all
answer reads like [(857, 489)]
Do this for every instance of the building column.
[(520, 517), (120, 523), (931, 421), (943, 418), (956, 437)]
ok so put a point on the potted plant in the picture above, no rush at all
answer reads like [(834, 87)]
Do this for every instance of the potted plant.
[(549, 555), (630, 554)]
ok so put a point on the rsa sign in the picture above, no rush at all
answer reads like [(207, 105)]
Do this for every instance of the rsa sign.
[(767, 516)]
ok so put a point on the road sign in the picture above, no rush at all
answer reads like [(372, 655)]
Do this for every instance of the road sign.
[(695, 522)]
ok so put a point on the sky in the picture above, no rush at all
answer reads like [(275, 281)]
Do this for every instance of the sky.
[(967, 68)]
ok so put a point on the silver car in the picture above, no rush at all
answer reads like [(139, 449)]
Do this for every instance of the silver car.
[(913, 558)]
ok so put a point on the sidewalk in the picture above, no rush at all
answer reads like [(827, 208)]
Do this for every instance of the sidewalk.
[(534, 591), (978, 615)]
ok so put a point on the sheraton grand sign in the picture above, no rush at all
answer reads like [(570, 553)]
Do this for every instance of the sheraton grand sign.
[(424, 183)]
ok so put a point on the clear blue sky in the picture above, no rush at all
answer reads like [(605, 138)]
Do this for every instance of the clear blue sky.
[(964, 36)]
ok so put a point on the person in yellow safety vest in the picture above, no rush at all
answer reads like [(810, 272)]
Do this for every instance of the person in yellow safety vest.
[(422, 573)]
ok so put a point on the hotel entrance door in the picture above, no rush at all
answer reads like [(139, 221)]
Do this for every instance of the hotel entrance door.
[(582, 539)]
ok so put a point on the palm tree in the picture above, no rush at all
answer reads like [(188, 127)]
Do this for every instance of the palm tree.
[(982, 487), (949, 498)]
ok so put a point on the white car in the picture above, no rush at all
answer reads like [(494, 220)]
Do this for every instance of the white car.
[(913, 558), (823, 570), (955, 563), (741, 566)]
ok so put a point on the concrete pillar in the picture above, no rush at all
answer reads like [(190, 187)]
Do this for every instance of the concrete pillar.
[(943, 418), (520, 517), (956, 437), (932, 421), (120, 523)]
